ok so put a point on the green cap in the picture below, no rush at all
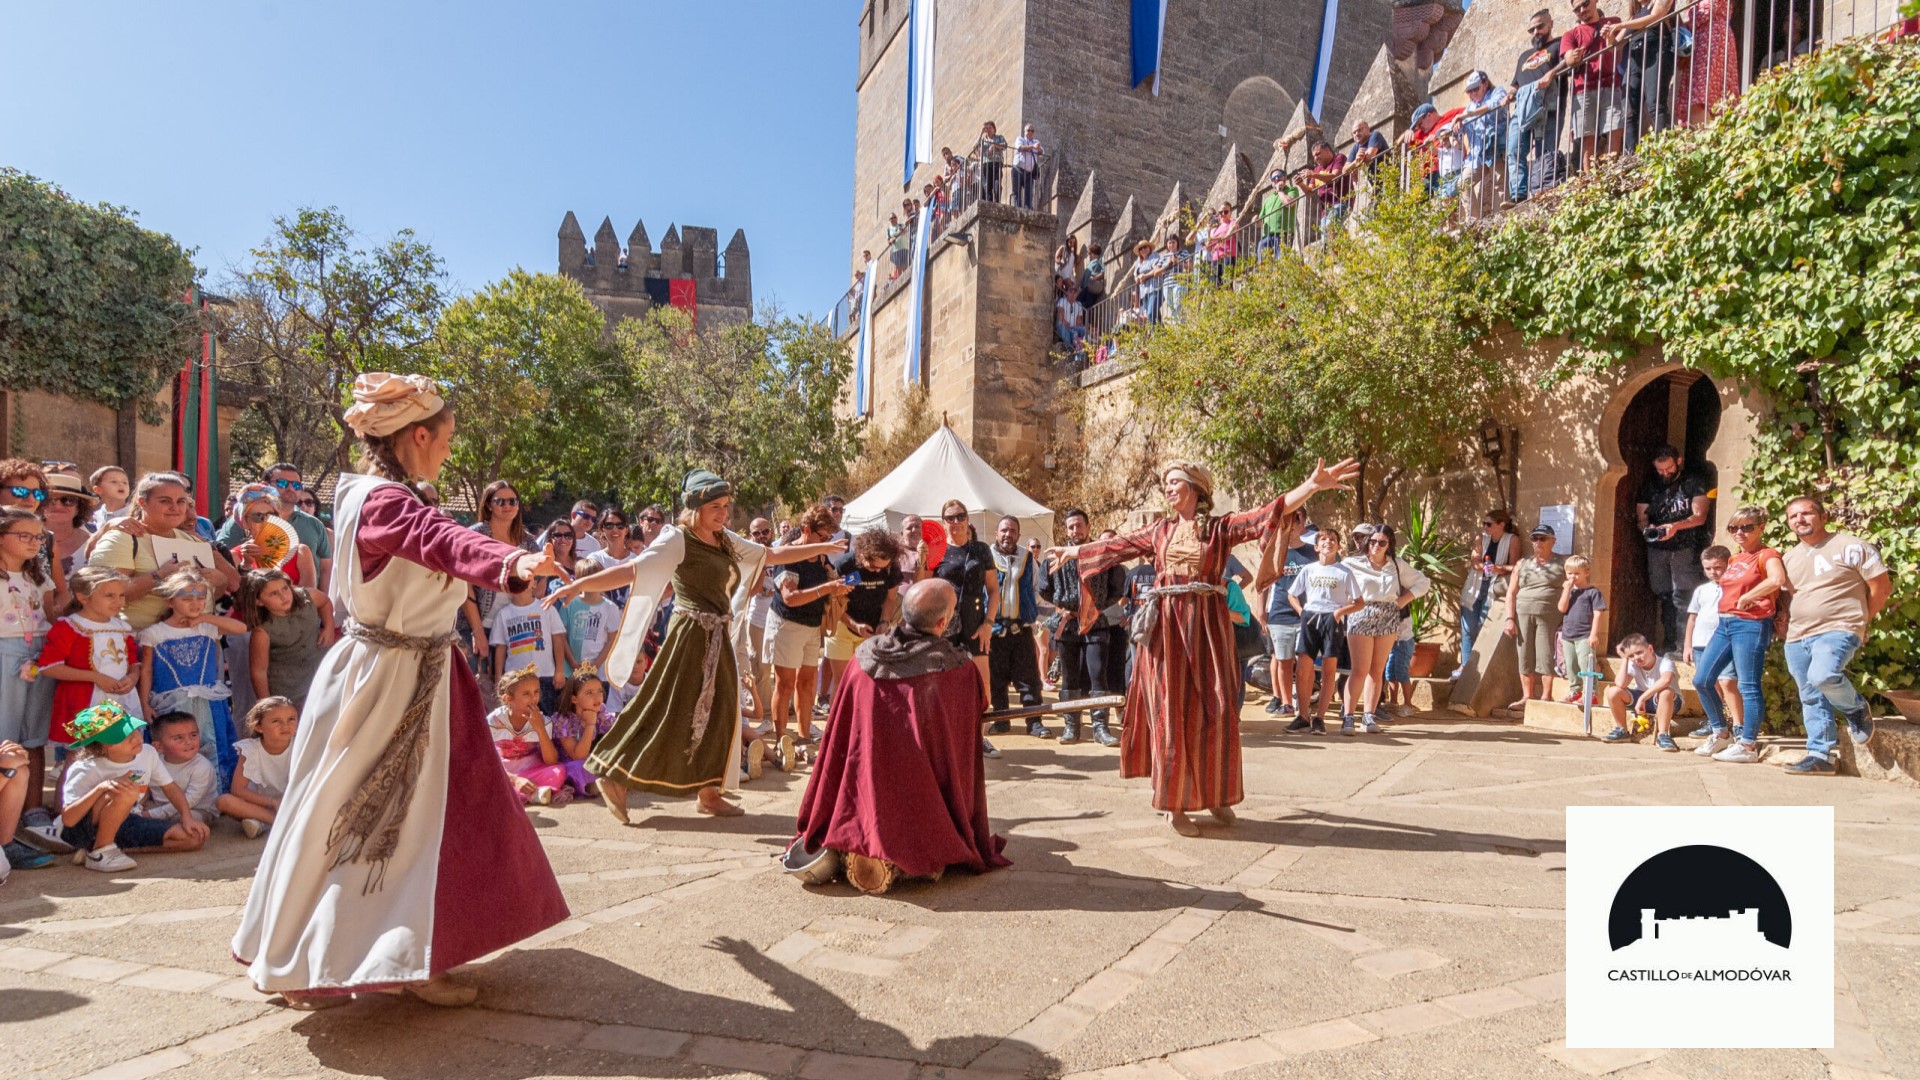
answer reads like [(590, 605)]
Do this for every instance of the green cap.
[(702, 487)]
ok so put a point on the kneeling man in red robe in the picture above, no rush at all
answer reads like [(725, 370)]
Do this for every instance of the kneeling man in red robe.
[(898, 787)]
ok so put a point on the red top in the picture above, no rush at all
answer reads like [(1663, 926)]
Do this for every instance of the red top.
[(1744, 571), (1599, 64)]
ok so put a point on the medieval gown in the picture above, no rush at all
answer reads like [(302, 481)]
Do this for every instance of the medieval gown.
[(450, 869), (681, 732), (1183, 704)]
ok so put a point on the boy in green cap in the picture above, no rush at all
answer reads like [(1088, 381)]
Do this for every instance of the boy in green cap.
[(111, 772)]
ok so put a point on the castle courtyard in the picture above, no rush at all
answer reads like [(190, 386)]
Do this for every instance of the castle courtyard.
[(1386, 906)]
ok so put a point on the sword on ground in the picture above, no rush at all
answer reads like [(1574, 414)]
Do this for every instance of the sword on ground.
[(1108, 701)]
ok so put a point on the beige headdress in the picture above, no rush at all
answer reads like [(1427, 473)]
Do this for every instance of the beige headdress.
[(1193, 473), (383, 403)]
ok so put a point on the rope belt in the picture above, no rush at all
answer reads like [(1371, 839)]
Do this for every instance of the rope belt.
[(1147, 618), (716, 628), (367, 828)]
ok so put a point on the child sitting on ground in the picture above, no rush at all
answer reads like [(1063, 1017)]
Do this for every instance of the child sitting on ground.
[(582, 719), (180, 666), (1703, 618), (1646, 685), (266, 762), (1579, 600), (113, 770), (176, 735), (519, 733), (618, 696)]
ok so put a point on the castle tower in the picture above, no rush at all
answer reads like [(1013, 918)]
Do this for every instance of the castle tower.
[(1231, 75), (628, 286)]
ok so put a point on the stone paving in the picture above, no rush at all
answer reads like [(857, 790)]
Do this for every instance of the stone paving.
[(1387, 906)]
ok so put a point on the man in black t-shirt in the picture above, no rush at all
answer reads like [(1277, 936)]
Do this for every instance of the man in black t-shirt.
[(1531, 148), (1089, 664), (1672, 510)]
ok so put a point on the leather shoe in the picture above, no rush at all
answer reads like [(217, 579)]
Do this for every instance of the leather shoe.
[(1102, 736)]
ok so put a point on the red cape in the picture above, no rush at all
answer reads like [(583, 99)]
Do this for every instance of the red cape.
[(898, 775)]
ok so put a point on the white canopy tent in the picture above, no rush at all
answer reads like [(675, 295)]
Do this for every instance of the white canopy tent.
[(945, 467)]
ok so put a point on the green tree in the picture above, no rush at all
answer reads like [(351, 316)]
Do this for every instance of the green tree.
[(91, 305), (752, 401), (532, 383), (1774, 247), (311, 312), (1364, 348)]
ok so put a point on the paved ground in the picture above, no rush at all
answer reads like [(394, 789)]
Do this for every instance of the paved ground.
[(1388, 906)]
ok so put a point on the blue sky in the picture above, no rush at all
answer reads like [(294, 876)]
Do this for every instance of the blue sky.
[(477, 124)]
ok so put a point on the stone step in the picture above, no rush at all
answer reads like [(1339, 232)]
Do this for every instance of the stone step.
[(1893, 754), (1563, 717)]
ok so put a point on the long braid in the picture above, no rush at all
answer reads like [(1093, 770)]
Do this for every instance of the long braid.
[(1203, 518), (382, 461)]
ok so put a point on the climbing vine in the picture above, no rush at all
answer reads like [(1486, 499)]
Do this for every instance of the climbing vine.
[(1774, 247), (92, 305)]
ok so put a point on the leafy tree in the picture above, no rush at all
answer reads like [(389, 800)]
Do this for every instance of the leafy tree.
[(1364, 347), (531, 381), (752, 401), (313, 311), (91, 305), (1774, 247)]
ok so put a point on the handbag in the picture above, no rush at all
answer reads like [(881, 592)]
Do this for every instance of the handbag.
[(1248, 641)]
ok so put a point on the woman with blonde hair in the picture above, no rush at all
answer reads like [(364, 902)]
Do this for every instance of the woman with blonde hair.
[(1183, 701)]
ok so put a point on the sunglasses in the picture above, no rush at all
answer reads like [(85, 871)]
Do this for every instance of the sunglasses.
[(1742, 530), (307, 504), (560, 536), (36, 494), (955, 518), (191, 594), (651, 520), (613, 525), (66, 500), (283, 484), (1377, 543), (504, 500)]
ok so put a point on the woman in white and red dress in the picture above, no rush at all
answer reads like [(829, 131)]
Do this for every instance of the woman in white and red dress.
[(399, 852)]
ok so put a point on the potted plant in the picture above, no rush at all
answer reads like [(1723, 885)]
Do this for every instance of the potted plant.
[(1438, 557)]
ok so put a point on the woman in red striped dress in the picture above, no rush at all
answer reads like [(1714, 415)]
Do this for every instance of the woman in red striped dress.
[(1183, 705)]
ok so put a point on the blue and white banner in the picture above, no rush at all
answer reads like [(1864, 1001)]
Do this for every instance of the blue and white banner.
[(917, 303), (863, 347), (920, 27), (1323, 58), (1149, 32)]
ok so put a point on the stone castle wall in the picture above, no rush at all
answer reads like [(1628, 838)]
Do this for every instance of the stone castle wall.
[(723, 279)]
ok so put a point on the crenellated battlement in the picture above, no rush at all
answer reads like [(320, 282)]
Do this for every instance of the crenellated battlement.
[(628, 279)]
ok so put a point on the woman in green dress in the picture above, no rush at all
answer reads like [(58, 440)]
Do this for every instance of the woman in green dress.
[(681, 734)]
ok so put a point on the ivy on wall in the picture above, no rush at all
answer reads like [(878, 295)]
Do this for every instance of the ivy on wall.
[(91, 304), (1774, 247)]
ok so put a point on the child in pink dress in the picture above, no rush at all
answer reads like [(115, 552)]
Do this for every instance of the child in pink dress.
[(519, 733), (582, 719)]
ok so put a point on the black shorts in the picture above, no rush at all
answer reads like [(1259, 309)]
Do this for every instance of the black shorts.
[(134, 834), (1320, 636)]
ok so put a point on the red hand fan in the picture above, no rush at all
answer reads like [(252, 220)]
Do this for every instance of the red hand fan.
[(935, 534)]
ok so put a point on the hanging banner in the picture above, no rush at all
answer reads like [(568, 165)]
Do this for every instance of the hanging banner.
[(863, 347), (917, 302), (920, 27), (1323, 58), (1149, 34)]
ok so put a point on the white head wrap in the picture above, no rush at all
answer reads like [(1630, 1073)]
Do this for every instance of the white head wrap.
[(1196, 475), (383, 403)]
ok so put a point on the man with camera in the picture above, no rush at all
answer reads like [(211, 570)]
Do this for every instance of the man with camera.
[(1672, 508)]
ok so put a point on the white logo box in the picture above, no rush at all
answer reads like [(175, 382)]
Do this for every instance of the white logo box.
[(1709, 969)]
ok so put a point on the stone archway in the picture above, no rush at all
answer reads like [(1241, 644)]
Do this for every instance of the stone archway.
[(1255, 114)]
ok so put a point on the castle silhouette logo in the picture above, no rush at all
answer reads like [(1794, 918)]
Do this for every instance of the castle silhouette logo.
[(1663, 930)]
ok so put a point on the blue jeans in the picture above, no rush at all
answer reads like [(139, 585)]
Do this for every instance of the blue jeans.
[(1471, 619), (1400, 662), (1819, 667), (1150, 302), (1742, 645)]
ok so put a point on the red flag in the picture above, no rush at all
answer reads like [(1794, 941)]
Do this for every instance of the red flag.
[(682, 294)]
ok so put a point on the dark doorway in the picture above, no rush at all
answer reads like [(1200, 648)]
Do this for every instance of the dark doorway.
[(1681, 408)]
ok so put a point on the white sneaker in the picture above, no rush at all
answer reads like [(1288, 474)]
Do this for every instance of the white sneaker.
[(109, 860), (1713, 745), (252, 828), (543, 796), (1739, 752), (46, 838)]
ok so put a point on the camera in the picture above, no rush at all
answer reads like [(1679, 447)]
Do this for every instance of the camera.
[(1653, 531)]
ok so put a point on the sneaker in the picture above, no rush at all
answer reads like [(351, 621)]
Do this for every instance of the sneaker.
[(39, 817), (1618, 734), (562, 796), (1000, 727), (1287, 710), (1299, 725), (756, 759), (1573, 698), (1739, 752), (543, 796), (1403, 710), (1703, 731), (1713, 745), (1371, 725), (109, 860), (1049, 686), (22, 857), (1811, 766), (1273, 706), (786, 753), (1036, 729), (1346, 724), (46, 838), (1860, 727), (1457, 672), (987, 749), (1319, 727), (252, 828), (1665, 742)]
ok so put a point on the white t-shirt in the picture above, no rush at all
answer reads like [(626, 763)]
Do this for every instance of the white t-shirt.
[(584, 544), (527, 631), (1026, 154), (104, 515), (1324, 589), (89, 771), (1705, 608), (198, 782), (266, 773), (1639, 679)]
